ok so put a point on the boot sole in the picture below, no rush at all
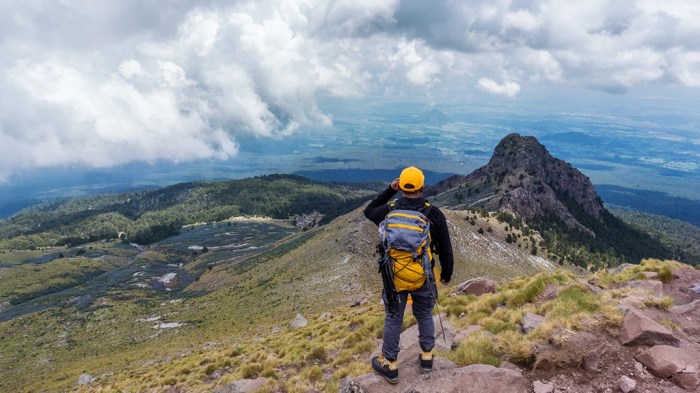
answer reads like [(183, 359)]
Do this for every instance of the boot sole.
[(390, 380)]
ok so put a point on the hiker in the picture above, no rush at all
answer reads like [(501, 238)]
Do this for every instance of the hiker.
[(410, 183)]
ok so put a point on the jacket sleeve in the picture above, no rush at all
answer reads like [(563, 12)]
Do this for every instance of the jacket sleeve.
[(443, 245), (377, 209)]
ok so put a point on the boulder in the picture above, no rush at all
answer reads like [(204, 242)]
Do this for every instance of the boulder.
[(410, 348), (692, 307), (530, 322), (676, 364), (464, 334), (298, 322), (654, 286), (86, 379), (651, 275), (4, 306), (241, 386), (567, 349), (476, 286), (638, 329), (626, 384)]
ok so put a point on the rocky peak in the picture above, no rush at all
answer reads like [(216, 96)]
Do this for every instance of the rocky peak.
[(515, 150), (524, 178)]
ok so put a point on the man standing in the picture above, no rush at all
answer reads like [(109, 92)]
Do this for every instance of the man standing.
[(410, 183)]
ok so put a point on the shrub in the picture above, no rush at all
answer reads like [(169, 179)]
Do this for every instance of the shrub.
[(313, 373), (665, 274)]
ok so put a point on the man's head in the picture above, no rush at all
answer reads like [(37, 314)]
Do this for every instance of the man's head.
[(411, 181)]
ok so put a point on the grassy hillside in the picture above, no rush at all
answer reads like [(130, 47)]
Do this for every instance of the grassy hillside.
[(338, 340), (253, 279)]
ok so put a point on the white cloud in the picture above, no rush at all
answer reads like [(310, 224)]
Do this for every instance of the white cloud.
[(103, 83), (508, 89)]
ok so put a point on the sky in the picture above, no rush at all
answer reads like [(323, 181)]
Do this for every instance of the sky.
[(96, 83)]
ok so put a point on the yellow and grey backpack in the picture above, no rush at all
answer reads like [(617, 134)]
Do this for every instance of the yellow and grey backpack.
[(406, 242)]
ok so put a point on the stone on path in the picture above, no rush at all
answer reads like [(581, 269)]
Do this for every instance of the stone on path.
[(626, 384), (541, 387), (676, 364)]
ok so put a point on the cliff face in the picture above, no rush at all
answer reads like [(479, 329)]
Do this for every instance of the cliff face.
[(523, 177)]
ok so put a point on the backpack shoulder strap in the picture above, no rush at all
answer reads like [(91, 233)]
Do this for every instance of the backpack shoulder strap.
[(392, 205), (426, 209)]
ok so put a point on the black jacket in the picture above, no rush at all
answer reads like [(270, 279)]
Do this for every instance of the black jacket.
[(439, 234)]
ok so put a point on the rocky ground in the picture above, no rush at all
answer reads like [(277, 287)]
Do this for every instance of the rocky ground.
[(656, 350)]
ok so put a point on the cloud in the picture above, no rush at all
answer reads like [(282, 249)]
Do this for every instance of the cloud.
[(508, 89), (103, 83)]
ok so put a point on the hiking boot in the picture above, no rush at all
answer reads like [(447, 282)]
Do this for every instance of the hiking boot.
[(386, 368), (425, 359)]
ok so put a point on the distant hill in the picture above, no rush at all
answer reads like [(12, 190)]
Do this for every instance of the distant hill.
[(522, 178), (652, 202), (357, 175), (149, 216), (681, 237)]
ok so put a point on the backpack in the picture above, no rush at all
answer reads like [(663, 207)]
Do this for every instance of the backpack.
[(406, 246)]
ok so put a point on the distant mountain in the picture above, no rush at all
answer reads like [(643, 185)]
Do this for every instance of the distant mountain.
[(551, 196), (433, 117)]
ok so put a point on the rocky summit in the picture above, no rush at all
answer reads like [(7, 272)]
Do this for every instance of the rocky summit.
[(524, 178)]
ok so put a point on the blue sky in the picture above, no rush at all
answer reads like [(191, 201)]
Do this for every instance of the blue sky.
[(95, 84)]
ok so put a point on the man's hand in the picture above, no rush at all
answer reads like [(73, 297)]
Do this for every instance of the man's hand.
[(443, 282), (395, 184)]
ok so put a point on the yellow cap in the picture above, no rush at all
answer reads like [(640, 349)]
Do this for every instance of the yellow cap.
[(411, 179)]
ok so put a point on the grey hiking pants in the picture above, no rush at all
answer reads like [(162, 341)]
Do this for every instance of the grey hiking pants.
[(423, 303)]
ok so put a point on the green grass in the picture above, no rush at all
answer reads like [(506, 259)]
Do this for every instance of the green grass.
[(29, 281)]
